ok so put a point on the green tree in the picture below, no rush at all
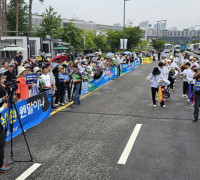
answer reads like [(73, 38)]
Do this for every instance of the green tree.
[(100, 41), (89, 39), (73, 35), (134, 35), (158, 44), (51, 24), (195, 41), (143, 44), (22, 16), (113, 38)]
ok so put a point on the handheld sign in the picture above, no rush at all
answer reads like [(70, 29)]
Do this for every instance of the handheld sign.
[(31, 77), (62, 77)]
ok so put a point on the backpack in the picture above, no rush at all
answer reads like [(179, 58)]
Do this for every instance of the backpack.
[(197, 86)]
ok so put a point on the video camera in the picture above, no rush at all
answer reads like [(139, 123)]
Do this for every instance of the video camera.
[(11, 87)]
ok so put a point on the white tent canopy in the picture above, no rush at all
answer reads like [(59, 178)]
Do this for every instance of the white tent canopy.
[(13, 47)]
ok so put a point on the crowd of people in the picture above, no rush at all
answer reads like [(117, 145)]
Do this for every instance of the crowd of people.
[(63, 78), (165, 74)]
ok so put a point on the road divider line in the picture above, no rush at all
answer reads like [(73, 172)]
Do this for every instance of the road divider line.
[(129, 145), (29, 171)]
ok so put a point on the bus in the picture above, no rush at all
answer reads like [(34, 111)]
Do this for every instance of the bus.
[(168, 48), (190, 47), (177, 48), (197, 48)]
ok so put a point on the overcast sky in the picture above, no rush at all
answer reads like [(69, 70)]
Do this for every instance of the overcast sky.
[(178, 13)]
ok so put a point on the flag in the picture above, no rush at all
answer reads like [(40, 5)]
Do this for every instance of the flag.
[(160, 94)]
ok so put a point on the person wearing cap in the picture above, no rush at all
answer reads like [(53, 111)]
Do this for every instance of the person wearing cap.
[(27, 66), (187, 78), (10, 73), (23, 89), (77, 80), (60, 87), (197, 94)]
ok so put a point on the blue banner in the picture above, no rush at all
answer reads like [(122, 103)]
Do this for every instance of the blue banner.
[(107, 76), (127, 67), (32, 111), (137, 63)]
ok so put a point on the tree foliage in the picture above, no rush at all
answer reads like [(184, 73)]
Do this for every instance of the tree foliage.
[(143, 44), (22, 14), (158, 44), (100, 41), (113, 38), (89, 39), (73, 35), (195, 41), (134, 35), (51, 24)]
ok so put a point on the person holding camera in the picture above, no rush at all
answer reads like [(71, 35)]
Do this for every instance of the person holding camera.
[(3, 106)]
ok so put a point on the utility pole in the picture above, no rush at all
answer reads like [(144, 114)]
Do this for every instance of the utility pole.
[(124, 22), (1, 18)]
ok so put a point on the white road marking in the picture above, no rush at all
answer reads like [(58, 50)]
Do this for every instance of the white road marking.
[(129, 145), (29, 171)]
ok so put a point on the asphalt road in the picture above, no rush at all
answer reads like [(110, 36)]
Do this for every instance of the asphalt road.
[(86, 143)]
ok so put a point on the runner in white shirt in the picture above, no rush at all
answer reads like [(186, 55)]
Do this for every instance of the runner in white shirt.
[(187, 78), (156, 79), (176, 58), (46, 78), (165, 73)]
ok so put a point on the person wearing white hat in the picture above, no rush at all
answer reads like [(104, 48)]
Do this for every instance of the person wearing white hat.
[(23, 89)]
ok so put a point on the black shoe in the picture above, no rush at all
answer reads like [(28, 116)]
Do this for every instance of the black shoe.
[(53, 107), (195, 119)]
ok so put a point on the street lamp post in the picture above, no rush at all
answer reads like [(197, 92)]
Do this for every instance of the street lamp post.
[(124, 22)]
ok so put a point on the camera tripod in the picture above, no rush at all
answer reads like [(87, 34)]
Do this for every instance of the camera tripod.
[(11, 110)]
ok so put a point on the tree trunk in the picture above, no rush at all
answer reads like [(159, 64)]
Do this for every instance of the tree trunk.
[(5, 18), (1, 20), (17, 18), (2, 17), (30, 17)]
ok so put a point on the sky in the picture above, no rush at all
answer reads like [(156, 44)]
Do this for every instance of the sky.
[(178, 13)]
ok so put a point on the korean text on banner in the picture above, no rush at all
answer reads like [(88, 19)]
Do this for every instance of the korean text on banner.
[(32, 111)]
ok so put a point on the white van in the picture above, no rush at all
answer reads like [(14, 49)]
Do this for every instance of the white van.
[(190, 47), (177, 48)]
